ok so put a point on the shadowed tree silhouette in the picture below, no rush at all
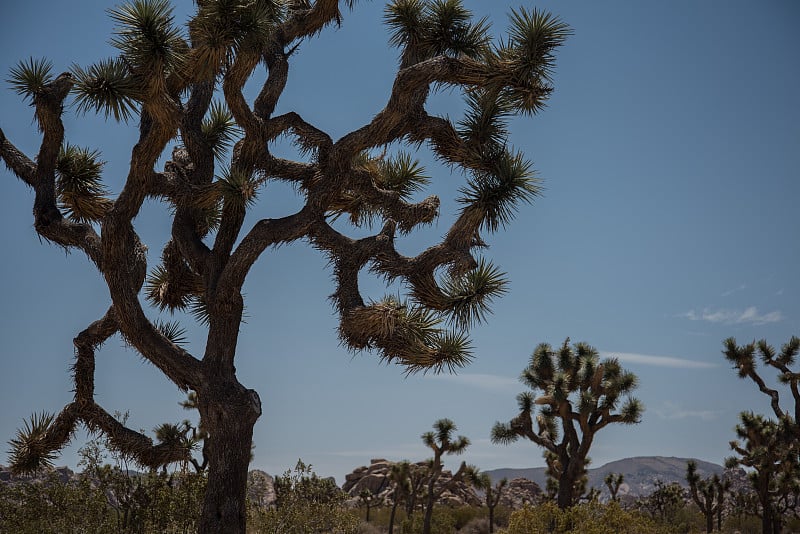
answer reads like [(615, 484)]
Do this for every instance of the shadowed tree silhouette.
[(580, 396), (185, 89)]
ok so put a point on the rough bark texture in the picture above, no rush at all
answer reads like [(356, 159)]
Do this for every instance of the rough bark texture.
[(168, 80)]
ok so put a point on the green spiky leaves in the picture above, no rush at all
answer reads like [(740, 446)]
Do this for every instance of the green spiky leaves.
[(399, 174), (106, 87), (79, 184), (29, 78), (494, 196), (223, 28), (172, 331), (219, 129), (438, 27), (28, 453), (407, 334), (523, 66), (470, 295), (152, 47)]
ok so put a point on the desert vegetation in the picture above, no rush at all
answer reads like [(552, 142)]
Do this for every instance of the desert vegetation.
[(205, 151)]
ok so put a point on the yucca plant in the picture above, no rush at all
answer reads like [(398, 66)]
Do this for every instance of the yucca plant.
[(579, 396), (184, 86)]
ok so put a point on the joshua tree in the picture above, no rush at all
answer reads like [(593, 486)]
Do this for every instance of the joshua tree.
[(368, 500), (743, 358), (613, 482), (441, 443), (598, 388), (417, 480), (492, 495), (664, 501), (400, 478), (770, 452), (707, 493), (167, 79)]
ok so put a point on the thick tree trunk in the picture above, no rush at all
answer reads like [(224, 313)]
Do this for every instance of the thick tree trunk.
[(710, 521), (565, 490), (491, 520), (229, 415)]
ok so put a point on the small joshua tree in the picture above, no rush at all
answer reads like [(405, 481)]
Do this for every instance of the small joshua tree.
[(400, 478), (707, 493), (184, 87), (580, 394), (441, 442), (492, 494), (613, 483)]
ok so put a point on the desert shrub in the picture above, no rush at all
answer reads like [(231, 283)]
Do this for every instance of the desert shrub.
[(591, 518), (478, 525), (443, 521), (305, 504), (50, 506)]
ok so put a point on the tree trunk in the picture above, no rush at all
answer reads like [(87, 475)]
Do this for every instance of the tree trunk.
[(565, 490), (426, 524), (391, 516), (709, 521), (229, 414), (491, 520)]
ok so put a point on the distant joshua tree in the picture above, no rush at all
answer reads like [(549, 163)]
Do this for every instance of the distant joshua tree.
[(579, 394), (441, 442), (184, 86), (400, 478), (613, 482), (492, 494), (707, 493)]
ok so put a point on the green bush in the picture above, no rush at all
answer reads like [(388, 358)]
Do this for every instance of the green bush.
[(306, 504), (592, 518)]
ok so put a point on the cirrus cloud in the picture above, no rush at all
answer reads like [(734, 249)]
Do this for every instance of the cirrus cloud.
[(749, 315)]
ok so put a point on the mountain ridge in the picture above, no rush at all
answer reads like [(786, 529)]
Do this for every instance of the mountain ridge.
[(641, 473)]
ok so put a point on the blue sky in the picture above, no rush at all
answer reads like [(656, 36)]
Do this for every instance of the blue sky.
[(670, 154)]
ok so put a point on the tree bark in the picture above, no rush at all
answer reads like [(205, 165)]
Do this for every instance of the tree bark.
[(229, 415), (426, 524)]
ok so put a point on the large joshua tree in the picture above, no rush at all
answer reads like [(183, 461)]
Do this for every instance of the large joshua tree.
[(184, 88), (580, 395)]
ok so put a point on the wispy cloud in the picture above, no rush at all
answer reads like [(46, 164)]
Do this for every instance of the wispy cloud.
[(749, 315), (671, 411), (657, 361), (730, 292), (481, 381)]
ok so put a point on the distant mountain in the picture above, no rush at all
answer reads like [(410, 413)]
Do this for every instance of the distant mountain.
[(641, 473)]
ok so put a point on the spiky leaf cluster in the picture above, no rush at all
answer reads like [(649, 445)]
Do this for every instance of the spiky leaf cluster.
[(28, 453), (219, 129), (152, 47), (470, 295), (29, 78), (409, 334), (107, 87), (496, 194), (524, 63), (79, 184), (223, 29), (429, 28)]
